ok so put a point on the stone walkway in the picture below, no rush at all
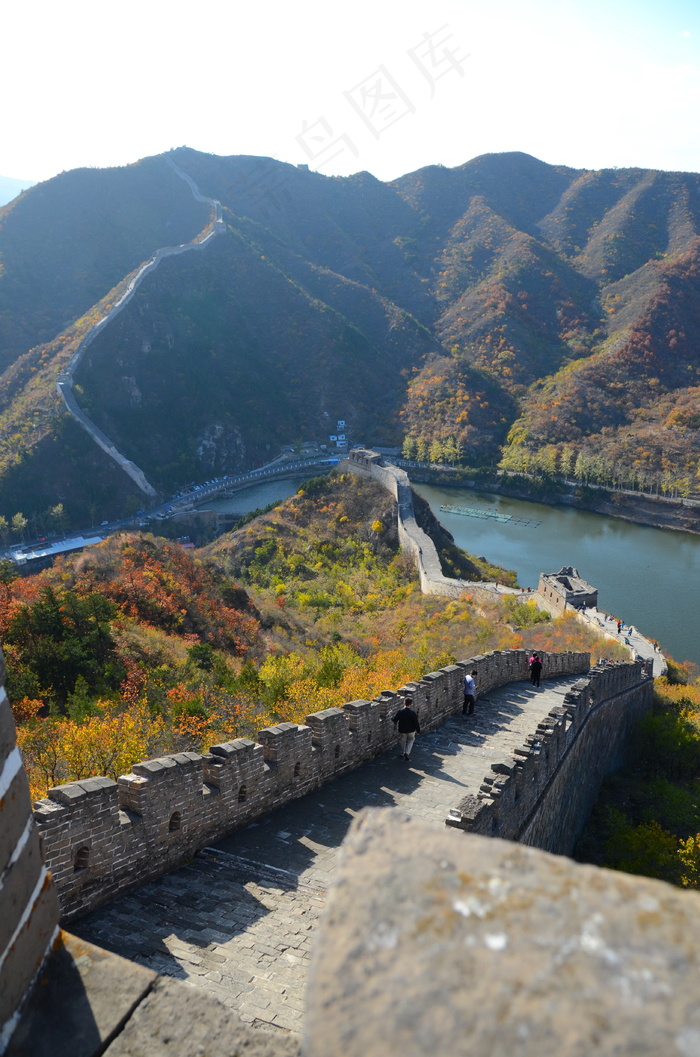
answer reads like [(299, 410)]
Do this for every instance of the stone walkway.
[(239, 920), (638, 644)]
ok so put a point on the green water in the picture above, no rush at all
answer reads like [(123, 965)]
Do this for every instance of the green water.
[(646, 576)]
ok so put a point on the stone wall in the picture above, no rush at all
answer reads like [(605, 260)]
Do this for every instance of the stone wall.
[(432, 944), (567, 590), (65, 380), (413, 539), (543, 794), (28, 904), (101, 837)]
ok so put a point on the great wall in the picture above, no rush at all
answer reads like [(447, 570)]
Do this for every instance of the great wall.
[(526, 771), (65, 380), (101, 837)]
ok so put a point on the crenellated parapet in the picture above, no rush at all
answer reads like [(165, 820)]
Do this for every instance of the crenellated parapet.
[(101, 837), (412, 538), (542, 794)]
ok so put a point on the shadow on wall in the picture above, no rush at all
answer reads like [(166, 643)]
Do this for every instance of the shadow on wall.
[(102, 837)]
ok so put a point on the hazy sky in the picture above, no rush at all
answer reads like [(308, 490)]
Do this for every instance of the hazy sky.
[(383, 85)]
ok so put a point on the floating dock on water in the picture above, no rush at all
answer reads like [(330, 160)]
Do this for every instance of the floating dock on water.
[(491, 515)]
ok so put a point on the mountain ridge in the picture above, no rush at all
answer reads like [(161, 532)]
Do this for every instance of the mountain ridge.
[(456, 307)]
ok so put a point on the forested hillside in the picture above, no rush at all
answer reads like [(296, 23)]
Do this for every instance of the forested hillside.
[(503, 312), (137, 647)]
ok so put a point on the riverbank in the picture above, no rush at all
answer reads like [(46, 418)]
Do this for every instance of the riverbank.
[(654, 511), (645, 575)]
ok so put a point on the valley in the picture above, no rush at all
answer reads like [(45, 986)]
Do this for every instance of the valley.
[(503, 313)]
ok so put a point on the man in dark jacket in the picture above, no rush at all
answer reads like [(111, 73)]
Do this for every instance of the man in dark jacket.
[(535, 669), (408, 727)]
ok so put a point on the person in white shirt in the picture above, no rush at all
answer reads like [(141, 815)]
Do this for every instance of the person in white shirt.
[(469, 694)]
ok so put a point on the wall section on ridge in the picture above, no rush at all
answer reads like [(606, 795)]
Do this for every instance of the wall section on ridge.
[(102, 837), (412, 538), (543, 794)]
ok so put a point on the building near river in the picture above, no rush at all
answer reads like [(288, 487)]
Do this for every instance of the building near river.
[(566, 589)]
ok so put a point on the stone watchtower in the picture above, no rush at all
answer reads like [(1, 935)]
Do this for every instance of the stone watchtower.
[(567, 590)]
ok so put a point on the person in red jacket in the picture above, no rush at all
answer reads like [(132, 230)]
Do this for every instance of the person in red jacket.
[(408, 726)]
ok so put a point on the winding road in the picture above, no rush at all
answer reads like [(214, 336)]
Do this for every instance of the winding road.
[(65, 380)]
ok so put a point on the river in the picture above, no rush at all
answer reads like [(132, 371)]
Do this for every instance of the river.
[(256, 496), (645, 576)]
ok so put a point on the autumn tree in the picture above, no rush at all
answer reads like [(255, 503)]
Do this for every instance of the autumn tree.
[(19, 524)]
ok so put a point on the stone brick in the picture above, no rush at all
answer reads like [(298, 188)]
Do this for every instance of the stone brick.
[(15, 815), (81, 999), (18, 882), (7, 726), (23, 959), (434, 942), (175, 1018)]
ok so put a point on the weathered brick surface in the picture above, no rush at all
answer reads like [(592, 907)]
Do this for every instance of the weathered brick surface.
[(28, 901), (82, 997), (24, 957), (542, 793), (439, 943), (174, 1019), (16, 812), (19, 879), (102, 837)]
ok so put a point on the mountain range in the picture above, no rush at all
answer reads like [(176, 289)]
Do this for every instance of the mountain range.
[(535, 316), (10, 187)]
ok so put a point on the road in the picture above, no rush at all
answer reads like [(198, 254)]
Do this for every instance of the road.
[(179, 503)]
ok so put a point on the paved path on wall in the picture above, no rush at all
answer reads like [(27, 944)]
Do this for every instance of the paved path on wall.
[(638, 644), (240, 919)]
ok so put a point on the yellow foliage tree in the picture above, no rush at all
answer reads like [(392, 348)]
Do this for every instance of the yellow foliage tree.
[(58, 751)]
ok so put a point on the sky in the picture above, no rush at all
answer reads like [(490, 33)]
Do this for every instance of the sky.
[(386, 86)]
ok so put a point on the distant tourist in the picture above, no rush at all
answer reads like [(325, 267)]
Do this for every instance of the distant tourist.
[(535, 669), (408, 727), (469, 694), (619, 626)]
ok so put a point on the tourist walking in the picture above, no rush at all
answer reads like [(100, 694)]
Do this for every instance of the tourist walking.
[(408, 727), (535, 669), (469, 694)]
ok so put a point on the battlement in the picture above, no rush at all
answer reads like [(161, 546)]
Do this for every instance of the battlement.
[(413, 540), (533, 796), (102, 837)]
